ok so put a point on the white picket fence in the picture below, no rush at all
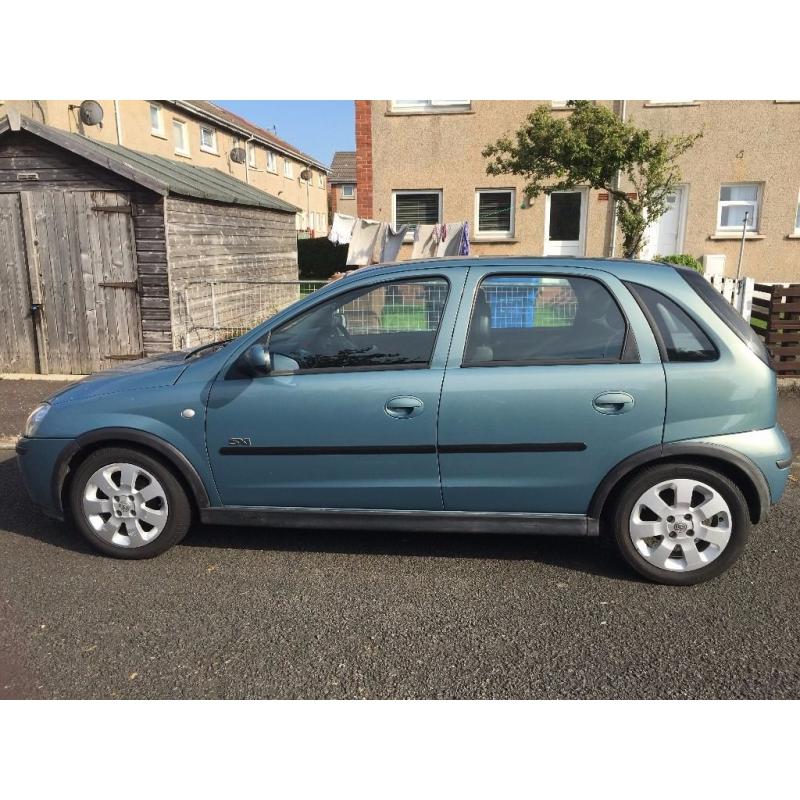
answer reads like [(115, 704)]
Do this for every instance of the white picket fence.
[(739, 293)]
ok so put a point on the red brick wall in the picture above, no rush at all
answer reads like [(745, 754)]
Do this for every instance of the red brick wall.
[(364, 157)]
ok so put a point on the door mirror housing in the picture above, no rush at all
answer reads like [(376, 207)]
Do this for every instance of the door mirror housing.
[(257, 361)]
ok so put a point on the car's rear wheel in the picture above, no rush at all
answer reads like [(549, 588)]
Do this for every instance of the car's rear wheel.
[(681, 524), (128, 503)]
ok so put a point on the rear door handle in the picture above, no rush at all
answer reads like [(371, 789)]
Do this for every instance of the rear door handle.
[(613, 402), (404, 407)]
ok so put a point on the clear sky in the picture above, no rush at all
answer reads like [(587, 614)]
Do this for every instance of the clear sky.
[(317, 127)]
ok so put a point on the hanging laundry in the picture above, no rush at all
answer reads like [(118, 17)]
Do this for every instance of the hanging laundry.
[(424, 243), (393, 242), (450, 239), (463, 250), (365, 243), (342, 229)]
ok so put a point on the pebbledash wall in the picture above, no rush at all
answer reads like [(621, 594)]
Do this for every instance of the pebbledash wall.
[(436, 146)]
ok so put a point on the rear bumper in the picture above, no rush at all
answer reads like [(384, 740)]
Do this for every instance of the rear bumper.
[(38, 461)]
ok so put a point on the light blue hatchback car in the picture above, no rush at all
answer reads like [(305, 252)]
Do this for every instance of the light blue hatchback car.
[(520, 395)]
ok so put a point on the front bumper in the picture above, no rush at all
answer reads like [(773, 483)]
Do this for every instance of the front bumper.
[(39, 461)]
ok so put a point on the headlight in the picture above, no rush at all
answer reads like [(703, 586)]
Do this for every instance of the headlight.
[(35, 419)]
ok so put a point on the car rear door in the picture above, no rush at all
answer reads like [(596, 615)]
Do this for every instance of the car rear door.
[(354, 426), (553, 378)]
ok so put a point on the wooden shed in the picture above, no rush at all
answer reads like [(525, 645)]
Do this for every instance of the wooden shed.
[(96, 241)]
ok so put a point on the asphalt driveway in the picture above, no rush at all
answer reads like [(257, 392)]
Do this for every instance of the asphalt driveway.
[(240, 613)]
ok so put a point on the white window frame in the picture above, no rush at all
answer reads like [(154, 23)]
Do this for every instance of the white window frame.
[(797, 218), (398, 192), (430, 106), (559, 104), (668, 103), (184, 126), (321, 180), (158, 131), (272, 161), (251, 155), (288, 168), (478, 233), (753, 224), (212, 148), (352, 194)]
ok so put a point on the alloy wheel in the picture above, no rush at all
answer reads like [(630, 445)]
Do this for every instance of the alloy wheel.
[(680, 525), (125, 505)]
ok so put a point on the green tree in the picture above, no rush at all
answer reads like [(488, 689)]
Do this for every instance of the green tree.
[(592, 146)]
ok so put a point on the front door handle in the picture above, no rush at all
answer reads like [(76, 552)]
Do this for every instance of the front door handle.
[(613, 402), (404, 407)]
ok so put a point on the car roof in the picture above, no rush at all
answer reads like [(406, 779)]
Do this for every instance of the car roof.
[(623, 268)]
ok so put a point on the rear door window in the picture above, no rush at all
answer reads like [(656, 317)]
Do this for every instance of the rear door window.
[(529, 319)]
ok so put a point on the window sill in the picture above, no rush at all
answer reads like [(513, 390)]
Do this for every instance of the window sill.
[(493, 240), (795, 235), (158, 135), (724, 236), (671, 105), (427, 112), (209, 151), (183, 154)]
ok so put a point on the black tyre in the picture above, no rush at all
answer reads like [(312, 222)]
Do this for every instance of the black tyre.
[(680, 524), (128, 503)]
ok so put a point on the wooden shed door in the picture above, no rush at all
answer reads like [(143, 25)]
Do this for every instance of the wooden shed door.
[(86, 279), (17, 337)]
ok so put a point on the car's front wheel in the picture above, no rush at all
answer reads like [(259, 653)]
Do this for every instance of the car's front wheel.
[(681, 524), (128, 503)]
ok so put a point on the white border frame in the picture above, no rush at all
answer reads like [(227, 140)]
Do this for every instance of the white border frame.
[(477, 233), (395, 192), (754, 227), (213, 150), (682, 219), (187, 153), (343, 196), (157, 132), (584, 190)]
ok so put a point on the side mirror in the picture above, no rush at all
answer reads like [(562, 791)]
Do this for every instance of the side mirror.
[(257, 361)]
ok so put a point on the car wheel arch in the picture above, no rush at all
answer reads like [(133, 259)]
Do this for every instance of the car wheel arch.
[(85, 444), (737, 467)]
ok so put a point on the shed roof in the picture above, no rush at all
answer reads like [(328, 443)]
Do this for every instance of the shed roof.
[(343, 167), (161, 175)]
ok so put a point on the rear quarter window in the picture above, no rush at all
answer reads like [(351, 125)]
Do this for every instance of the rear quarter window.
[(681, 338)]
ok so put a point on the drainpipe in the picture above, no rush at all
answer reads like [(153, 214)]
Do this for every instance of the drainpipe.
[(247, 160), (118, 121), (617, 182)]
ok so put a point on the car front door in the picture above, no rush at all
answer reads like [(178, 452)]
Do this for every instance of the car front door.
[(553, 378), (347, 419)]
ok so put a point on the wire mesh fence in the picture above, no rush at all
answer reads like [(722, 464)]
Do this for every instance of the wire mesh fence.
[(210, 310)]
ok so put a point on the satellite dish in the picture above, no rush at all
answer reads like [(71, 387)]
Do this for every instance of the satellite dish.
[(306, 174), (91, 112), (238, 155)]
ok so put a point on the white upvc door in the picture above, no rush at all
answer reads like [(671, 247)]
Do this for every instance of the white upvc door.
[(565, 223), (665, 235)]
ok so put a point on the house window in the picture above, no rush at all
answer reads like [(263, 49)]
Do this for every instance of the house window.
[(156, 121), (251, 155), (272, 161), (430, 106), (208, 139), (417, 208), (797, 219), (180, 135), (494, 213), (288, 171), (559, 103), (348, 190), (736, 200), (321, 181)]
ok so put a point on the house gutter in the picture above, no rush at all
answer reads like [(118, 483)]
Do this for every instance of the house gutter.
[(617, 182)]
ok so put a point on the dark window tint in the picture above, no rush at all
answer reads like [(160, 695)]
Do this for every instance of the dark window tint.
[(726, 312), (391, 324), (528, 318), (565, 216), (420, 208), (683, 339)]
